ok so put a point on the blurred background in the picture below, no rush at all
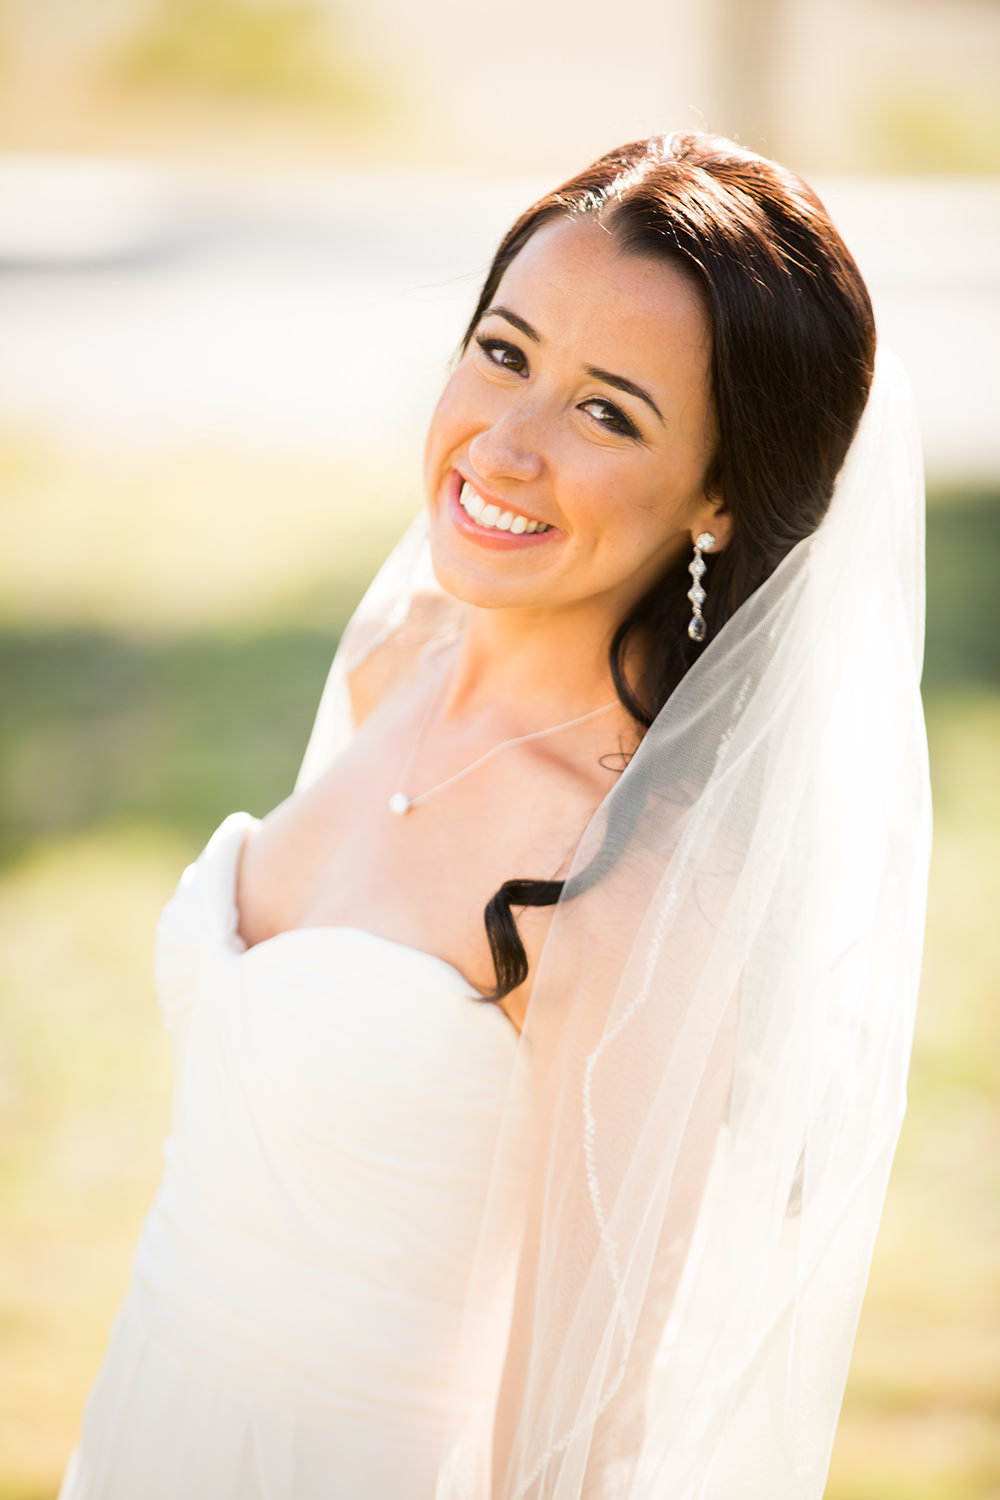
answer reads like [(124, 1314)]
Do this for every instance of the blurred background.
[(238, 242)]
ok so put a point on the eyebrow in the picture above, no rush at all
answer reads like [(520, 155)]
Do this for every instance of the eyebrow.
[(619, 382)]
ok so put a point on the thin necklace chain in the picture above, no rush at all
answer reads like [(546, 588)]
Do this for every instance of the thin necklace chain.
[(400, 802)]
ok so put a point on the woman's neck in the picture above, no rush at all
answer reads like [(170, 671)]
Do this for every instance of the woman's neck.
[(550, 664)]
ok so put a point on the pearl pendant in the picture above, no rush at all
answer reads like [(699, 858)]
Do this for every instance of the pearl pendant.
[(399, 803)]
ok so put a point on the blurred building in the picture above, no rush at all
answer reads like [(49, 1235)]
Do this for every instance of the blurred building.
[(844, 85)]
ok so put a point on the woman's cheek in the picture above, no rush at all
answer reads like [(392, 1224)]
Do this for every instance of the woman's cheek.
[(441, 421), (463, 411)]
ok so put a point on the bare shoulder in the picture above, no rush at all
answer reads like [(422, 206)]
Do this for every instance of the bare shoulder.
[(394, 660), (284, 853), (278, 857)]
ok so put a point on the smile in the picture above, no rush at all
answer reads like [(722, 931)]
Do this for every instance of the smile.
[(492, 517)]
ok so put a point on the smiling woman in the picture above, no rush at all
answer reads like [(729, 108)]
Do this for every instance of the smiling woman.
[(531, 428), (541, 1058)]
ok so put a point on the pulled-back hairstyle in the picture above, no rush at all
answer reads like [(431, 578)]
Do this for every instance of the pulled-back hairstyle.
[(793, 350)]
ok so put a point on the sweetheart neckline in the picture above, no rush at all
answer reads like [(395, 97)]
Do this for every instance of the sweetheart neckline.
[(239, 947), (242, 949), (238, 950)]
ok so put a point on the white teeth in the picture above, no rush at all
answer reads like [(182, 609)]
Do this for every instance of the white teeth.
[(472, 501), (492, 517)]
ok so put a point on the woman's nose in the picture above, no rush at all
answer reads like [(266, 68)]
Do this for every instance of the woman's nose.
[(508, 449)]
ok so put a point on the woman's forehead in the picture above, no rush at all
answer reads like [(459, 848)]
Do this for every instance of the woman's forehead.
[(579, 290)]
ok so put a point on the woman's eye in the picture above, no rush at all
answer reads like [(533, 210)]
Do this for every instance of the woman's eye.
[(611, 417), (506, 356)]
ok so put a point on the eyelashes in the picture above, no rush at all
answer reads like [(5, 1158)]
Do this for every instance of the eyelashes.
[(516, 362), (507, 356), (616, 420)]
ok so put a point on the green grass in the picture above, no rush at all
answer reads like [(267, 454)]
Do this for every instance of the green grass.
[(104, 731), (963, 592), (152, 685), (922, 1413)]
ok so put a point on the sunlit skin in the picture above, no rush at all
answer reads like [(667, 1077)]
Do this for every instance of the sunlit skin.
[(619, 477), (529, 427)]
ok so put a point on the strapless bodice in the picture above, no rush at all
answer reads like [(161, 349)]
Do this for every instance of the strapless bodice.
[(308, 1255)]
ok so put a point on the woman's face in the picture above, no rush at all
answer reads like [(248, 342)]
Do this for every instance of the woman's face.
[(566, 457)]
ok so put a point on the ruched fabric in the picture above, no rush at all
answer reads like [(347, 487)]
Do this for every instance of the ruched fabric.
[(298, 1290)]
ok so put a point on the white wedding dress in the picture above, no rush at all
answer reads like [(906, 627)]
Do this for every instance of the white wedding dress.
[(292, 1327)]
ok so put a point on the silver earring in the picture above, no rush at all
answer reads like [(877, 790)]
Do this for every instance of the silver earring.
[(696, 593)]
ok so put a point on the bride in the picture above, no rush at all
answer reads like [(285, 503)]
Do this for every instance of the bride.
[(540, 1060)]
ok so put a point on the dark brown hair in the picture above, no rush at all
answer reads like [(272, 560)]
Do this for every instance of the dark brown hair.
[(793, 350)]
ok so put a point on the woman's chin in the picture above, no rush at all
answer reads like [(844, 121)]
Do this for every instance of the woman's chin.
[(481, 577), (479, 586)]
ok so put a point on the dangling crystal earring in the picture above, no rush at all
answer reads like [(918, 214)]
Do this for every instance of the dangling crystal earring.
[(696, 593)]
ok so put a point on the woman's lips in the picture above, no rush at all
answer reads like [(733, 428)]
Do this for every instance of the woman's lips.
[(488, 536)]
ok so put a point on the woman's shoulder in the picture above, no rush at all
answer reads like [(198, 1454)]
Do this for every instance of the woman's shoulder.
[(395, 656), (269, 872)]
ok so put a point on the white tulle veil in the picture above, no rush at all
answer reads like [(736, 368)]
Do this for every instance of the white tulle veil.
[(712, 1072)]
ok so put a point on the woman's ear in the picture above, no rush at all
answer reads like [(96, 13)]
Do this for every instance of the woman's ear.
[(714, 517)]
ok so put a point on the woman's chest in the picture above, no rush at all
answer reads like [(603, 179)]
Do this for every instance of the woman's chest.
[(338, 856)]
